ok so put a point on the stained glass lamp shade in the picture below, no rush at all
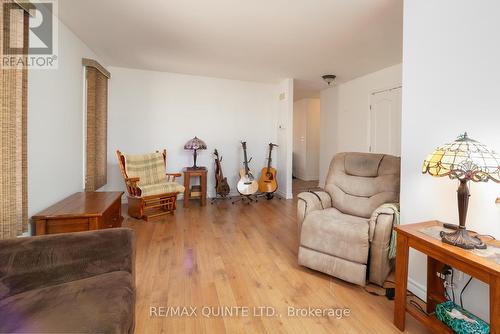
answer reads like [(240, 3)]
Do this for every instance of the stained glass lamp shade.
[(194, 145), (465, 160)]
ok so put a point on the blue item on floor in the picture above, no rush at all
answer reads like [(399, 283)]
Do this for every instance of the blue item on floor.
[(460, 320)]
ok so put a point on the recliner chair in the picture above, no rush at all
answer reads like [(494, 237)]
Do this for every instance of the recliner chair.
[(335, 234)]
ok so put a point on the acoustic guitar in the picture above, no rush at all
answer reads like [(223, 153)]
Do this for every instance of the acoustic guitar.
[(221, 186), (267, 182), (247, 185)]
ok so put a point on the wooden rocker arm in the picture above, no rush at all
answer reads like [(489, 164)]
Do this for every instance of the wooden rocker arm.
[(131, 183), (132, 180), (171, 176)]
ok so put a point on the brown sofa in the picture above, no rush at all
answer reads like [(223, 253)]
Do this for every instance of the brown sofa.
[(336, 236), (68, 283)]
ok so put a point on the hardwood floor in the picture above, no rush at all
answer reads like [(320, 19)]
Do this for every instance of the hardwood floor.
[(299, 185), (242, 255)]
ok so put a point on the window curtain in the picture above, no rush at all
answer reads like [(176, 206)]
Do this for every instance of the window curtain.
[(13, 125), (97, 125)]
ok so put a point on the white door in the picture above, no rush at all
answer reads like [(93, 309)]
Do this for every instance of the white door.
[(385, 122)]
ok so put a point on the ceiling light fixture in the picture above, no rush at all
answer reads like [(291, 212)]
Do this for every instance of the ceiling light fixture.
[(329, 79)]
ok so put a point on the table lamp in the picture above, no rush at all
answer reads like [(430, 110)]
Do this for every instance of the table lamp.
[(465, 160), (195, 144)]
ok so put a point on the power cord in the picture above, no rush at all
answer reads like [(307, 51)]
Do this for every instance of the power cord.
[(381, 294), (486, 235), (383, 287), (452, 285), (420, 308), (448, 271), (462, 292), (417, 305), (408, 294)]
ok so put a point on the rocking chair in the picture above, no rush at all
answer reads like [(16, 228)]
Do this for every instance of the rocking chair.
[(151, 191)]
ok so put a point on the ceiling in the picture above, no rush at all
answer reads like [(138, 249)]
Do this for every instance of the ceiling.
[(259, 40)]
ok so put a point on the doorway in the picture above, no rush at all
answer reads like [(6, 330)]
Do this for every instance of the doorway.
[(306, 140), (385, 121)]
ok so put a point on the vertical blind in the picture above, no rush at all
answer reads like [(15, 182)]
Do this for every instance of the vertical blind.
[(97, 125), (13, 125)]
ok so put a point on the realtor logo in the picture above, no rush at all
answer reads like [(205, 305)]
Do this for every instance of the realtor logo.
[(41, 50)]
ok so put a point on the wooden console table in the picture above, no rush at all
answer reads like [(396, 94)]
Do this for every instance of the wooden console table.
[(81, 212), (438, 254), (201, 172)]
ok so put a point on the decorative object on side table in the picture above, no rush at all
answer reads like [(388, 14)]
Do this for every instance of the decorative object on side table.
[(465, 160), (194, 145)]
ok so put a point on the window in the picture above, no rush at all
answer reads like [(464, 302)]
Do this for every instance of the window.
[(97, 123), (13, 123)]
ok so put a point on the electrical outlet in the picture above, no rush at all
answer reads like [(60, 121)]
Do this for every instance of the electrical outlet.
[(446, 270), (440, 275), (449, 285)]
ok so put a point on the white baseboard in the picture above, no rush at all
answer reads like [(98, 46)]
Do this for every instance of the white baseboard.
[(418, 289), (283, 195)]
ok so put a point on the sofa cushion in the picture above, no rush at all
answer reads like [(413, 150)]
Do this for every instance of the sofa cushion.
[(331, 232), (98, 304)]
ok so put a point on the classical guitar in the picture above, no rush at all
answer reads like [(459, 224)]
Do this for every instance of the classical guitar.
[(221, 186), (247, 185), (267, 182)]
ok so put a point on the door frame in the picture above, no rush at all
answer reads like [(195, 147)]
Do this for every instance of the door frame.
[(372, 93)]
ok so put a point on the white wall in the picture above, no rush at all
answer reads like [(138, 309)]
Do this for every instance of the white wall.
[(285, 137), (328, 144), (313, 139), (299, 137), (154, 110), (345, 114), (55, 125), (306, 138), (450, 79)]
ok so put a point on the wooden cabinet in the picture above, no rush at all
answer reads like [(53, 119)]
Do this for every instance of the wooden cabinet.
[(83, 211)]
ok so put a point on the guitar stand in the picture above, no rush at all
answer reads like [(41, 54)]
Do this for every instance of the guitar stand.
[(219, 198), (269, 196), (245, 199)]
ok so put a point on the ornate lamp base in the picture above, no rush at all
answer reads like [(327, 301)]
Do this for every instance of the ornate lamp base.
[(461, 238)]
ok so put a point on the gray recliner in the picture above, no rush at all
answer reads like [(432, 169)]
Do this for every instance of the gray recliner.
[(335, 233)]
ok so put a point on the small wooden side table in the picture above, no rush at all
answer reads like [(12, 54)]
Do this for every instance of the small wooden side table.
[(438, 254), (200, 172)]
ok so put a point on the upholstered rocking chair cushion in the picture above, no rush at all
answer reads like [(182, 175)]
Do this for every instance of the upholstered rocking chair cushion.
[(161, 188), (150, 169)]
